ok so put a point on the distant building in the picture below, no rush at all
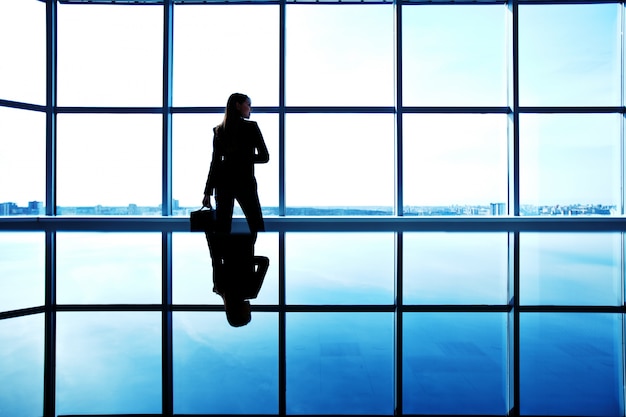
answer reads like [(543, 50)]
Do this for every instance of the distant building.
[(35, 207), (7, 208), (498, 209)]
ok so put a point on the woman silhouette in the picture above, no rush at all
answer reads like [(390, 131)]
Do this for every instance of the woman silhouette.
[(237, 146)]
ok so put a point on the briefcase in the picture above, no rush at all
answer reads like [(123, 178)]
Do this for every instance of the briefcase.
[(202, 220)]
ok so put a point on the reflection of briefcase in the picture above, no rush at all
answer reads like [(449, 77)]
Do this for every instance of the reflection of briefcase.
[(202, 220)]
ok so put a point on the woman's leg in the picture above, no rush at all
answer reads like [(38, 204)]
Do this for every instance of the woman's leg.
[(224, 202), (249, 201)]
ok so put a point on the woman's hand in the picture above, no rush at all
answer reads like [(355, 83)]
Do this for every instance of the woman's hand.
[(206, 201)]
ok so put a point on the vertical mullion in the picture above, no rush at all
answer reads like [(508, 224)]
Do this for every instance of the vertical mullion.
[(622, 43), (168, 27), (49, 383), (282, 349), (514, 378), (513, 207), (51, 93), (514, 197), (622, 51), (281, 109), (166, 325), (166, 257), (399, 197), (49, 374), (399, 300)]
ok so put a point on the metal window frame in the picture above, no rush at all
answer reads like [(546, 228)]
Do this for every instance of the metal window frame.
[(514, 225)]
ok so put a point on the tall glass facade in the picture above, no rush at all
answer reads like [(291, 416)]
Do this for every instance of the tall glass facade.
[(444, 205)]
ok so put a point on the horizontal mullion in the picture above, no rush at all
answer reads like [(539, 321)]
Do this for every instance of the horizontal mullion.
[(294, 308), (22, 312), (108, 307), (110, 110), (326, 224), (460, 308), (570, 309), (566, 2), (446, 109), (320, 109), (21, 105), (570, 109)]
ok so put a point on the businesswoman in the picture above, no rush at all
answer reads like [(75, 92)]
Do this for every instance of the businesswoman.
[(237, 146)]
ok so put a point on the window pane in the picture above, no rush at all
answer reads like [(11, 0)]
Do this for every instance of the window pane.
[(455, 164), (569, 164), (569, 55), (192, 147), (22, 162), (207, 66), (109, 164), (21, 366), (22, 270), (570, 269), (23, 51), (108, 268), (108, 363), (110, 55), (455, 364), (571, 364), (454, 55), (339, 56), (221, 369), (339, 164), (477, 273), (340, 363), (339, 268), (193, 271)]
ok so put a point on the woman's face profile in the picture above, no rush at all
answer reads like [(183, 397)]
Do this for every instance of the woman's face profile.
[(244, 109)]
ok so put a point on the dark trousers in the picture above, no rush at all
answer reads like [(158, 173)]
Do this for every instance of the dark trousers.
[(248, 200)]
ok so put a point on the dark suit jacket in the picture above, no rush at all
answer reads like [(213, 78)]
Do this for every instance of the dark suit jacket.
[(234, 154)]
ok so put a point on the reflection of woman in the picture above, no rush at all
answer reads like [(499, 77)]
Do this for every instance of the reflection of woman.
[(237, 273), (237, 146)]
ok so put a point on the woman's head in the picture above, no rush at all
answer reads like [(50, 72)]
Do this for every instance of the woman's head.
[(238, 106)]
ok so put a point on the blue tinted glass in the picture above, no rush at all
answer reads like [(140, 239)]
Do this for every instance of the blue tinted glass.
[(570, 269), (192, 271), (207, 69), (108, 268), (23, 51), (455, 363), (569, 55), (22, 162), (119, 169), (108, 363), (352, 152), (571, 364), (221, 369), (110, 55), (339, 268), (570, 164), (455, 164), (455, 268), (22, 270), (21, 366), (454, 55), (340, 363), (339, 56)]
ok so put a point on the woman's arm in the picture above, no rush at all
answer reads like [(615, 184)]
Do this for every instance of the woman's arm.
[(261, 154), (213, 175)]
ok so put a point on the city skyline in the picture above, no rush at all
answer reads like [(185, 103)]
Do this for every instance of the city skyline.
[(492, 209)]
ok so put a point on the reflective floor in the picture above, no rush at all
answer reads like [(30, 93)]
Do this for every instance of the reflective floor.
[(343, 323)]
